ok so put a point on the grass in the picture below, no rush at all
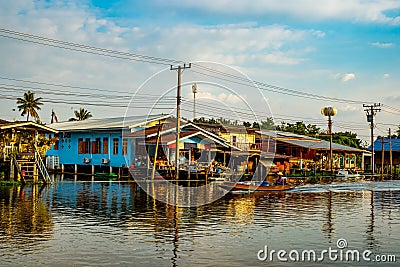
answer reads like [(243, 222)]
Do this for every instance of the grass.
[(2, 183)]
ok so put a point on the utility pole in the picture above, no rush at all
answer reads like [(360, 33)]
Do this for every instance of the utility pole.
[(155, 153), (371, 112), (178, 115), (383, 154), (390, 151)]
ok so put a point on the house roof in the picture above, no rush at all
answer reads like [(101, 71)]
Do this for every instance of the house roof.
[(107, 123), (170, 138), (168, 125), (225, 128), (308, 142), (386, 144), (26, 125), (168, 130)]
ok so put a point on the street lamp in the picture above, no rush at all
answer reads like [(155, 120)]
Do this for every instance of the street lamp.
[(329, 112), (194, 90)]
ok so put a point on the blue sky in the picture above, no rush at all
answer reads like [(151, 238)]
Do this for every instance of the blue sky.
[(345, 49)]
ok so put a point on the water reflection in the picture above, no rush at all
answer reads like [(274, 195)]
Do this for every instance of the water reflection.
[(24, 216), (90, 220)]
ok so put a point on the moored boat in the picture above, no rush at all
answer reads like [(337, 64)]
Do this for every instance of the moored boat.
[(255, 186), (100, 176), (346, 174)]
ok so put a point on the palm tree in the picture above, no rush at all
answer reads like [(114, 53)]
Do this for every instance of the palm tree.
[(81, 115), (29, 105)]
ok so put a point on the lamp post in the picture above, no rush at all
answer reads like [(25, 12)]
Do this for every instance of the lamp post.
[(329, 112), (194, 90)]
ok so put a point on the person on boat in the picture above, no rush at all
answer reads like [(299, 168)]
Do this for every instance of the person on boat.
[(280, 180)]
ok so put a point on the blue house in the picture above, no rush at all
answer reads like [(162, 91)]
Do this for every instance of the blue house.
[(96, 145), (391, 150)]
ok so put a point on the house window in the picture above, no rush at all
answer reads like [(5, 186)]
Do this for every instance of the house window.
[(80, 146), (115, 146), (124, 146), (234, 142), (56, 145), (87, 146), (96, 146), (105, 145)]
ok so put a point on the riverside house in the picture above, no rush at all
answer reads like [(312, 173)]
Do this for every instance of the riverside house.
[(96, 145), (111, 145), (22, 145), (287, 152), (388, 153)]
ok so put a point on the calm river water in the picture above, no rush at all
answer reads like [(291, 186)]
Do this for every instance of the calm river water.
[(117, 224)]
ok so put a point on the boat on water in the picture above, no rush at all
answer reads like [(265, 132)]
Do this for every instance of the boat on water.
[(255, 186), (346, 174), (101, 176)]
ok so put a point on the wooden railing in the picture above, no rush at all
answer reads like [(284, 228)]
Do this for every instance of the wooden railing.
[(14, 162), (42, 168)]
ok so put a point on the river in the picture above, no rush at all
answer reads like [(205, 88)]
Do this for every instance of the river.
[(75, 223)]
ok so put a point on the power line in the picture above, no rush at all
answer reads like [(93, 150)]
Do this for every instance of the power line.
[(84, 48), (157, 60), (269, 87)]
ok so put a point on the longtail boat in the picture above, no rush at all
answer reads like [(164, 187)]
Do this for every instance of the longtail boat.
[(255, 187)]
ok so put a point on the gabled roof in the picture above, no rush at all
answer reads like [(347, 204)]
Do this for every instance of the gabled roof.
[(386, 144), (106, 123), (226, 128), (168, 130), (26, 125)]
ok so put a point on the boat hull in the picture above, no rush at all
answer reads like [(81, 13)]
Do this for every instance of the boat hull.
[(253, 187), (105, 177)]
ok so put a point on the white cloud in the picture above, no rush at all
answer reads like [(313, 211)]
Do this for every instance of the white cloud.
[(344, 77), (386, 75), (234, 44), (226, 98), (382, 45), (354, 10), (348, 76)]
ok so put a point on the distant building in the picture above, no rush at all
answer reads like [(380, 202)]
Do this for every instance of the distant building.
[(387, 143)]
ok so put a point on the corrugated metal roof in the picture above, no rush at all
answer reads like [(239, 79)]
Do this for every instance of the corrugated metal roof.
[(308, 142), (105, 123), (27, 125), (386, 144)]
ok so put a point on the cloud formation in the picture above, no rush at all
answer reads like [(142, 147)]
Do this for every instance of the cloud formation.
[(354, 10), (382, 45), (348, 76)]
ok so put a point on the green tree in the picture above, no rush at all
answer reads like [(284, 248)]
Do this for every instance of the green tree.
[(268, 124), (81, 115), (246, 124), (29, 105)]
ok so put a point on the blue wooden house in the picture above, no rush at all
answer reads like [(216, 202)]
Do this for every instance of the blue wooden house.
[(95, 145)]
